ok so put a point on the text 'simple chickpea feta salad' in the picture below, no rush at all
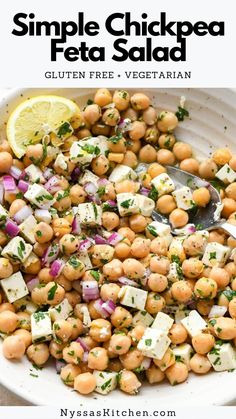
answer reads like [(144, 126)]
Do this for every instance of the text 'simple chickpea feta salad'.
[(87, 277)]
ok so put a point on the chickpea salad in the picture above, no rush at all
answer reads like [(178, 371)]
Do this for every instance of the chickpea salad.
[(87, 277)]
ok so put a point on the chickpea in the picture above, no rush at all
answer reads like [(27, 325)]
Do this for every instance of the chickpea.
[(56, 349), (126, 186), (7, 307), (60, 227), (121, 318), (167, 360), (203, 343), (137, 333), (119, 344), (68, 374), (122, 250), (62, 201), (85, 383), (194, 245), (225, 328), (38, 353), (43, 233), (44, 276), (232, 308), (178, 218), (131, 114), (231, 269), (178, 334), (229, 207), (117, 147), (102, 97), (132, 359), (200, 364), (6, 268), (92, 113), (73, 297), (166, 204), (147, 154), (110, 220), (151, 135), (129, 382), (3, 238), (111, 117), (160, 265), (205, 288), (13, 347), (69, 244), (149, 115), (221, 156), (154, 303), (54, 293), (8, 321), (98, 359), (73, 353), (137, 223), (100, 165), (157, 282), (115, 365), (35, 153), (190, 165), (24, 320), (154, 375), (38, 295), (130, 159), (232, 162), (113, 270), (5, 146), (77, 194), (73, 269), (140, 247), (62, 330), (6, 161), (110, 292), (182, 151), (121, 99), (231, 191), (216, 236), (100, 330), (24, 335), (133, 268), (208, 169), (221, 276), (140, 101), (77, 327), (177, 373), (166, 141), (16, 206), (159, 246), (192, 267), (201, 197), (165, 157), (181, 291), (156, 169), (167, 121)]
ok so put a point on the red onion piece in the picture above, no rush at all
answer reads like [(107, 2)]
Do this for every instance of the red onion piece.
[(22, 214), (48, 173), (109, 306), (103, 182), (23, 186), (109, 106), (90, 290), (76, 229), (11, 228), (114, 239), (98, 306), (50, 254), (124, 125), (90, 188), (52, 185), (75, 174), (94, 198), (1, 193), (85, 245), (33, 283), (15, 172), (146, 362), (99, 239), (144, 191), (59, 364), (9, 183), (56, 267), (85, 357), (126, 281), (111, 203), (83, 344), (217, 311)]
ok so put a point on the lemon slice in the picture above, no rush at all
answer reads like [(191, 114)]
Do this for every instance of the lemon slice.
[(35, 117)]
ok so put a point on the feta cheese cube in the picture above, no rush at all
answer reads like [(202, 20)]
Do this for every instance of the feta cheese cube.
[(61, 162), (85, 259), (154, 343), (3, 214), (32, 258), (133, 297), (41, 327), (127, 204), (90, 214), (83, 152), (145, 204), (184, 198), (162, 322), (175, 271), (17, 250), (226, 174), (215, 254), (39, 196), (122, 172), (14, 287), (46, 217), (180, 314), (163, 184), (87, 177), (194, 323), (183, 353), (159, 229), (61, 311), (105, 381), (25, 304), (100, 142), (142, 317), (34, 173), (27, 229), (222, 357)]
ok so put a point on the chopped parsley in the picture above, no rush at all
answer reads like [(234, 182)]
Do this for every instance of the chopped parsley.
[(64, 129), (74, 262), (91, 149), (115, 138), (152, 230), (148, 342), (153, 194), (106, 384), (39, 316), (52, 291), (212, 255), (95, 275), (182, 113), (127, 203), (39, 233)]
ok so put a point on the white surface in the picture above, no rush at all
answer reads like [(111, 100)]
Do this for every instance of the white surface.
[(211, 111)]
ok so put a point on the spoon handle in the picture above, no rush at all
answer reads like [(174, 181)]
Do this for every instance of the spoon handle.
[(229, 228)]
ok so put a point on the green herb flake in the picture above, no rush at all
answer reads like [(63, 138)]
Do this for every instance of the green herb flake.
[(182, 113), (52, 291)]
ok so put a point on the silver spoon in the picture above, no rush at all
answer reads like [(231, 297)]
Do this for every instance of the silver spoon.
[(207, 218)]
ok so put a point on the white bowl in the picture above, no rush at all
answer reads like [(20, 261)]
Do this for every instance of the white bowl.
[(212, 124)]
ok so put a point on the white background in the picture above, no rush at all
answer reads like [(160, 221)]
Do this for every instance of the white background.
[(210, 59)]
